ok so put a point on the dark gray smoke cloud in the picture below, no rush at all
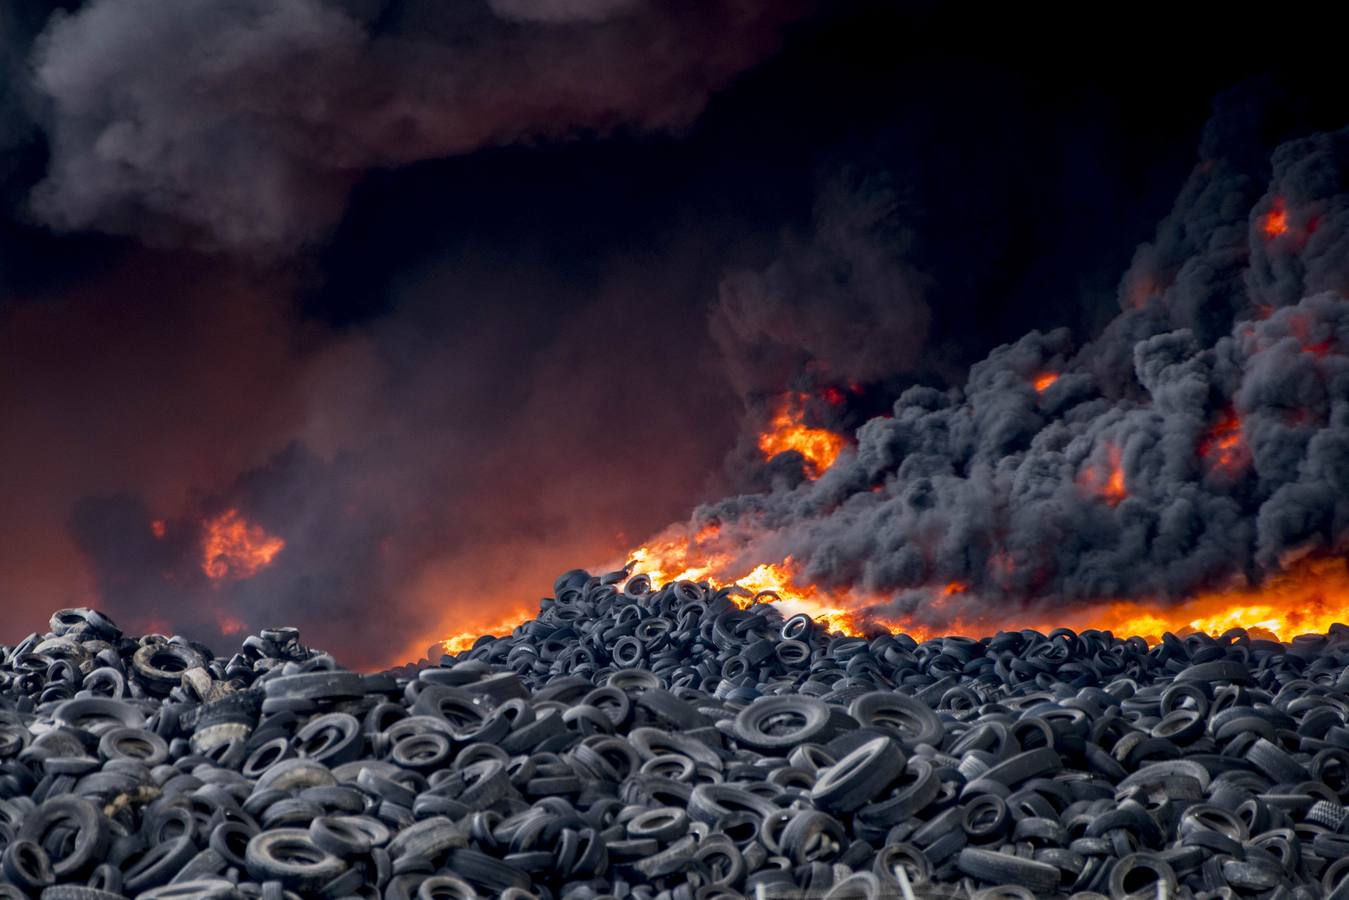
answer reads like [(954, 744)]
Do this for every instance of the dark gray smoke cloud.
[(1239, 307), (242, 125), (846, 303)]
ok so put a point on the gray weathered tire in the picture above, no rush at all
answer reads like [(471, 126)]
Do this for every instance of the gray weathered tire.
[(289, 856), (1000, 868)]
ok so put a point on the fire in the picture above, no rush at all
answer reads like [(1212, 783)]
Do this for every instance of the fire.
[(1109, 484), (235, 549), (1044, 380), (464, 640), (788, 431), (1223, 446), (1276, 220), (229, 624), (1307, 599), (157, 529)]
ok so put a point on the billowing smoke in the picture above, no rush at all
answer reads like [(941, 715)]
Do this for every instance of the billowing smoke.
[(243, 125), (1203, 436), (370, 317)]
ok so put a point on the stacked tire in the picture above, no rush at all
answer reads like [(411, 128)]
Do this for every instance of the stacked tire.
[(683, 743)]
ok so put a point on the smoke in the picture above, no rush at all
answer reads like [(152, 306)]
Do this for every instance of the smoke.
[(424, 473), (1108, 482), (846, 303), (442, 383), (243, 125)]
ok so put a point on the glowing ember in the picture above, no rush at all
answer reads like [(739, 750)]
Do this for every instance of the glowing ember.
[(1044, 380), (1108, 484), (1276, 220), (157, 528), (236, 550), (1223, 447), (788, 431)]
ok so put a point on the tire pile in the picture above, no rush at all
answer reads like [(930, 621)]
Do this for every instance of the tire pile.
[(669, 744)]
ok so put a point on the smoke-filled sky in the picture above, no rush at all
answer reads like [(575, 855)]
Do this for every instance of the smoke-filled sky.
[(453, 297)]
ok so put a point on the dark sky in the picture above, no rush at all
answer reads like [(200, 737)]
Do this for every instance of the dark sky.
[(448, 339)]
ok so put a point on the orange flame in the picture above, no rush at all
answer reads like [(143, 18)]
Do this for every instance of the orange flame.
[(1223, 447), (465, 640), (1108, 485), (235, 549), (1044, 380), (788, 431), (1276, 220), (1306, 599)]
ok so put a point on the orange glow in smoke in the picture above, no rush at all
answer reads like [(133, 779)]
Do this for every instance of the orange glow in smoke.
[(788, 431), (157, 528), (234, 549), (229, 624), (1044, 380), (1109, 483), (1276, 220), (1223, 446)]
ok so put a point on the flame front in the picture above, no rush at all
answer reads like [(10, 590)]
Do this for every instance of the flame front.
[(1044, 380), (464, 640), (788, 431), (235, 549), (1307, 599)]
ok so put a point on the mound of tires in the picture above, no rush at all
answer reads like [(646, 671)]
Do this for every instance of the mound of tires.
[(675, 743)]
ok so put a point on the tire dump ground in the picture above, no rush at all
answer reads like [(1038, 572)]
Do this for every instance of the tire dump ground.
[(632, 742)]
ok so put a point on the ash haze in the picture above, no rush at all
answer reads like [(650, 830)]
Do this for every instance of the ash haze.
[(449, 298)]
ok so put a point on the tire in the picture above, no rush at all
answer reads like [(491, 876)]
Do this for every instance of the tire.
[(26, 865), (913, 721), (859, 776), (1000, 868), (288, 855), (776, 725), (91, 839)]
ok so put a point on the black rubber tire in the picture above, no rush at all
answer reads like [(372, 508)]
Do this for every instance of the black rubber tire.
[(428, 839), (26, 865), (859, 776), (89, 823), (912, 720), (996, 868), (776, 725), (288, 855), (1142, 876), (331, 739), (664, 823), (1024, 766), (159, 863), (446, 887), (202, 889)]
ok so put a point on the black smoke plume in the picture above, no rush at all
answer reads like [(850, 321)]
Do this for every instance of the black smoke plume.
[(1105, 483)]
